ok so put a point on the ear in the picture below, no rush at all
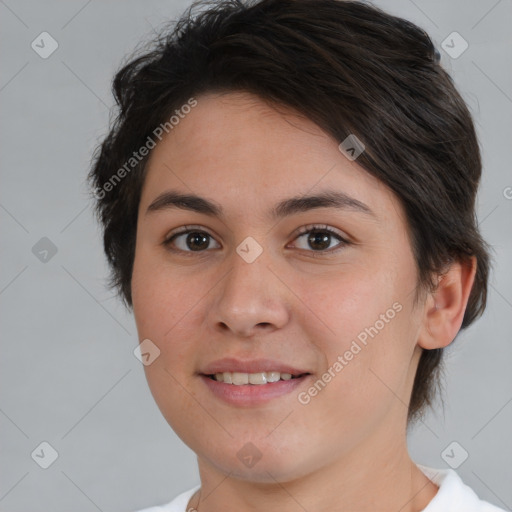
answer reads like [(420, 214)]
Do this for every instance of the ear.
[(444, 308)]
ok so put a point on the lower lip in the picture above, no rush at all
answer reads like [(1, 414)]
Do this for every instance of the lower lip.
[(252, 394)]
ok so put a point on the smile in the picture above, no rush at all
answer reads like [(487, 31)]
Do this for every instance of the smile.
[(241, 378)]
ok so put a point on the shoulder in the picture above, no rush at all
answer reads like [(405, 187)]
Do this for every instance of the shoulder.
[(178, 504), (453, 494)]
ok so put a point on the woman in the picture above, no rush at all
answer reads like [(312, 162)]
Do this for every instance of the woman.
[(288, 204)]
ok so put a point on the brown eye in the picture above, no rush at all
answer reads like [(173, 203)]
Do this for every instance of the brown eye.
[(194, 241), (319, 239)]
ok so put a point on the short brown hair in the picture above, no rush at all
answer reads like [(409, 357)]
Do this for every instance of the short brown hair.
[(349, 67)]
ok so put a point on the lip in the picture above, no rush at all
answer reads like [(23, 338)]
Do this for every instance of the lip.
[(231, 364), (249, 395)]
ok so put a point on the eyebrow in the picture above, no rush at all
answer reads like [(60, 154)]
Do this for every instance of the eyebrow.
[(324, 199)]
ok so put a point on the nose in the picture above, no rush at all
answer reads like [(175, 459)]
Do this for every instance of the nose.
[(251, 299)]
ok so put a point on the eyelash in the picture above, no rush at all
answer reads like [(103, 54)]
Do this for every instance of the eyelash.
[(303, 231)]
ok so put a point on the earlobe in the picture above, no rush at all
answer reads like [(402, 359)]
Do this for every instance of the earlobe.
[(444, 308)]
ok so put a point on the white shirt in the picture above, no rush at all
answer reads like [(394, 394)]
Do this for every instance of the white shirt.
[(453, 496)]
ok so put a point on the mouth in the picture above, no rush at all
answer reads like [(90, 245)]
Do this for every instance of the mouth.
[(255, 379), (252, 382)]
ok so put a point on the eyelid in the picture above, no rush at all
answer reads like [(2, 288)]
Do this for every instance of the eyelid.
[(319, 227), (182, 230)]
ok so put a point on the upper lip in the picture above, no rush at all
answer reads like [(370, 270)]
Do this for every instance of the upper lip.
[(250, 366)]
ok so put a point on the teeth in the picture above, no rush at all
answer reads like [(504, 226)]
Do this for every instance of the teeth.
[(257, 378), (273, 376), (240, 379)]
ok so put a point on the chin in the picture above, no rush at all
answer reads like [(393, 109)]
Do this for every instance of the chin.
[(256, 462)]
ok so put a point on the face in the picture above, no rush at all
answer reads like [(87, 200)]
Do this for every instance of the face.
[(319, 290)]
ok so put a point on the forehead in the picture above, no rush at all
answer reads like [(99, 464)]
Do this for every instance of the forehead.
[(239, 125), (245, 152)]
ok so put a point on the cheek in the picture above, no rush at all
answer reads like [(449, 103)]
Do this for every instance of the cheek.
[(371, 329), (351, 302), (162, 296), (162, 310)]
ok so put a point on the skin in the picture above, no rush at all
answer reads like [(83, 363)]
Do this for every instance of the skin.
[(346, 449)]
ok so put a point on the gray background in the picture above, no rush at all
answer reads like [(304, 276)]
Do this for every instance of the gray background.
[(67, 369)]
